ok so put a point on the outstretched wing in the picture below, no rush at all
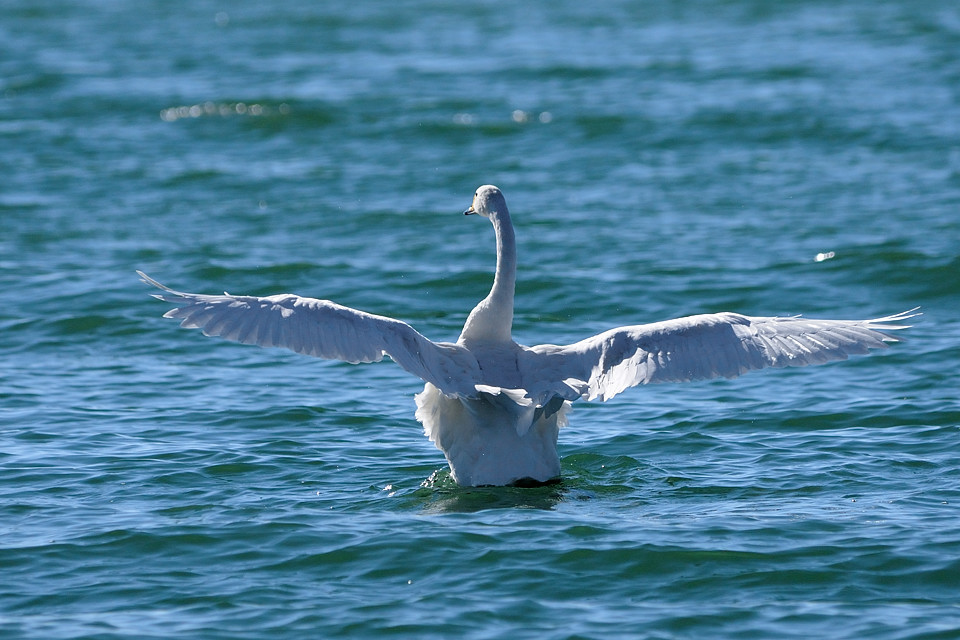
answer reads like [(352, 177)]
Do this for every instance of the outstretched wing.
[(323, 329), (700, 347)]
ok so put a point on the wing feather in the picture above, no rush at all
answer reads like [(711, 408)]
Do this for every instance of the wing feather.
[(697, 348), (323, 329)]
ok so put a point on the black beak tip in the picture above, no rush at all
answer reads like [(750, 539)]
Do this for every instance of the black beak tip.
[(469, 212)]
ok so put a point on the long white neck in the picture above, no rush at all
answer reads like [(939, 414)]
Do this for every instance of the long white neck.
[(492, 318)]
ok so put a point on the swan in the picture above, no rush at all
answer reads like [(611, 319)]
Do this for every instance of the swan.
[(495, 407)]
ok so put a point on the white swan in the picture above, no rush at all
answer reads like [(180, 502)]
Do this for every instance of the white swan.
[(494, 407)]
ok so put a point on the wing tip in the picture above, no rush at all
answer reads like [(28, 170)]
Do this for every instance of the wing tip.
[(898, 317), (168, 295), (894, 322), (150, 281), (147, 279)]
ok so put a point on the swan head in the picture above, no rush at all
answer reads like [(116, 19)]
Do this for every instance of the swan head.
[(487, 201)]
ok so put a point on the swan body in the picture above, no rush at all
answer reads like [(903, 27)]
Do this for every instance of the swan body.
[(494, 407)]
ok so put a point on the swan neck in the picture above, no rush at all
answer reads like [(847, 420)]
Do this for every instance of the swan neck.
[(492, 319), (505, 280)]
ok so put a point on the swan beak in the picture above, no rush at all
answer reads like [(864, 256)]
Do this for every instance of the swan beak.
[(470, 212)]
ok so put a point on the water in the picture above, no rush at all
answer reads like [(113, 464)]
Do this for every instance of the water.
[(660, 159)]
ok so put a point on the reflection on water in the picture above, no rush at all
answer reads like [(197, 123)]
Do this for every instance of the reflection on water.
[(440, 494), (221, 109)]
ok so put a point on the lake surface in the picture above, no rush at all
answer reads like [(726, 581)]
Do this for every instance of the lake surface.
[(660, 159)]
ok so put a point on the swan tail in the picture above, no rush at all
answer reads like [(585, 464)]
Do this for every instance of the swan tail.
[(490, 439)]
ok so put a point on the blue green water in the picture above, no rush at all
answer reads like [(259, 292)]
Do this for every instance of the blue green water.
[(660, 159)]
